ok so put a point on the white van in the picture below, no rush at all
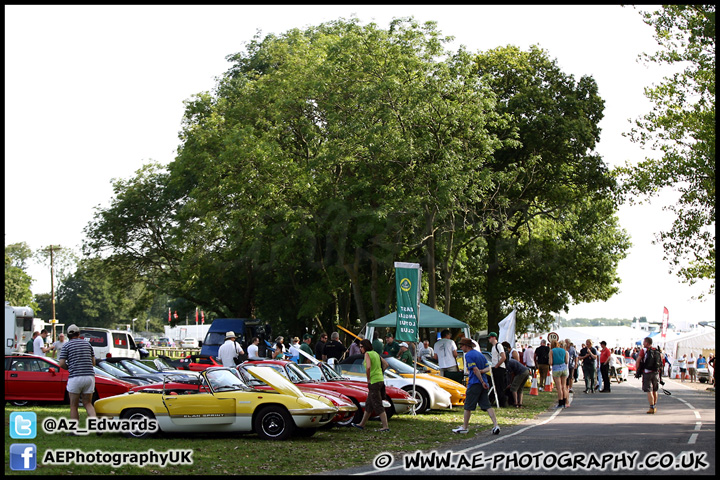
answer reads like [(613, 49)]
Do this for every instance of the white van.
[(110, 343)]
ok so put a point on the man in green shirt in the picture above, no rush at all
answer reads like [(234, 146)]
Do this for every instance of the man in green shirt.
[(404, 355), (30, 344), (305, 347), (391, 346), (377, 344)]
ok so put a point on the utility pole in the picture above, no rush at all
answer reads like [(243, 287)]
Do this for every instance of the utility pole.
[(53, 320)]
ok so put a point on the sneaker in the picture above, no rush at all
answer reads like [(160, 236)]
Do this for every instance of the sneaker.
[(460, 430), (652, 410), (496, 431)]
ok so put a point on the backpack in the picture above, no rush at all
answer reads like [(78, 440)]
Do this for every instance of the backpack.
[(652, 360)]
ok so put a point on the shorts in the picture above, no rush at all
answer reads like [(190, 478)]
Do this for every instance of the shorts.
[(81, 385), (519, 381), (476, 395), (560, 371), (682, 370), (376, 392), (650, 382)]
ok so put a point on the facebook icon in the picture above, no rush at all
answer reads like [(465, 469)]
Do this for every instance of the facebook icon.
[(23, 456)]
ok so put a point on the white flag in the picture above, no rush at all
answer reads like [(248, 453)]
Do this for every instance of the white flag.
[(507, 329)]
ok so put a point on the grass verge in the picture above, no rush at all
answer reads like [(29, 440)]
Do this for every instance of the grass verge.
[(246, 454)]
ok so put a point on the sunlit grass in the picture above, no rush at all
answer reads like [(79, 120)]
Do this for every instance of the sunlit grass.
[(246, 454)]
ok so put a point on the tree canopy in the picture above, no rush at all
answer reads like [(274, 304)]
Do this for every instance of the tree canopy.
[(681, 128), (326, 154)]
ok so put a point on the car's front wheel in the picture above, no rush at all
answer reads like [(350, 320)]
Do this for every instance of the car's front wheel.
[(19, 403), (422, 398), (274, 423), (138, 414)]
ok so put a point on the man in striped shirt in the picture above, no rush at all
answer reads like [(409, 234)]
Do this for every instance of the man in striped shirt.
[(78, 358)]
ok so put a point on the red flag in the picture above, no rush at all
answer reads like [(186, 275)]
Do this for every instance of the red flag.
[(203, 316), (176, 315), (169, 315), (196, 316), (665, 321)]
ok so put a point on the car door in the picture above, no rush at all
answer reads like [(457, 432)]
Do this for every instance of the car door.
[(35, 379)]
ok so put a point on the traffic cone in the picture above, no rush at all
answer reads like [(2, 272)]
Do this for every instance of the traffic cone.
[(549, 382), (533, 386), (677, 374)]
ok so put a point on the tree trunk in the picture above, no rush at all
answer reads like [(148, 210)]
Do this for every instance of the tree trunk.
[(430, 249), (492, 295), (352, 271)]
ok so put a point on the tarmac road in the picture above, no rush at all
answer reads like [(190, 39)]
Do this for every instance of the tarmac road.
[(601, 432)]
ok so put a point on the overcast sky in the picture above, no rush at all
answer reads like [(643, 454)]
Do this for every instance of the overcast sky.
[(94, 92)]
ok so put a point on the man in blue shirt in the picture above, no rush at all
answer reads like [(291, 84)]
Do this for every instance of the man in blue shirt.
[(478, 387)]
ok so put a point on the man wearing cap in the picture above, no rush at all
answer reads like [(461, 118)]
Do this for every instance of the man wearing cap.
[(499, 372), (228, 351), (78, 358), (305, 347), (392, 347), (405, 356), (478, 386)]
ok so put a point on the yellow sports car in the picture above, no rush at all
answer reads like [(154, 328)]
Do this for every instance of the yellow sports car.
[(224, 403)]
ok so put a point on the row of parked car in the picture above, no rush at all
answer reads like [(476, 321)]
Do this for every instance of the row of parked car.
[(197, 394)]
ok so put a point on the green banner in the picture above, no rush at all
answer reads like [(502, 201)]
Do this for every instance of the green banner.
[(407, 284)]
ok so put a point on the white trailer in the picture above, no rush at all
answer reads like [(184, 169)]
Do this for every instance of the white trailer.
[(18, 322)]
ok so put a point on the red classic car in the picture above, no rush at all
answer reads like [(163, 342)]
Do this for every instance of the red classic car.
[(29, 378), (357, 393), (194, 363)]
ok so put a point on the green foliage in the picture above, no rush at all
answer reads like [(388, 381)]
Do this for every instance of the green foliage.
[(17, 281), (326, 154), (681, 127)]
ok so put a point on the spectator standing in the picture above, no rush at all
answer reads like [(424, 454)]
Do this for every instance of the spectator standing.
[(682, 365), (425, 350), (294, 350), (478, 387), (446, 353), (31, 343), (320, 346), (57, 346), (376, 387), (391, 346), (701, 362), (588, 355), (253, 347), (529, 357), (692, 367), (499, 371), (279, 351), (39, 347), (572, 364), (605, 359), (78, 358), (542, 360), (404, 355), (355, 346), (559, 365), (229, 350), (334, 348), (377, 344), (305, 347)]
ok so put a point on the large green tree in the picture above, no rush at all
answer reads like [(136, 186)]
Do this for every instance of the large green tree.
[(326, 154), (681, 128)]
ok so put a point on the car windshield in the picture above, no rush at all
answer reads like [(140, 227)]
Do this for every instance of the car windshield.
[(113, 370), (297, 375), (401, 367), (224, 380), (132, 368), (329, 373), (142, 366), (312, 371)]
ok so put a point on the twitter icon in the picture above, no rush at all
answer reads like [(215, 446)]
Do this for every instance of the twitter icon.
[(23, 425)]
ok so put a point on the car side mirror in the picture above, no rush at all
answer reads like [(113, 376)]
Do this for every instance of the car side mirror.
[(51, 370)]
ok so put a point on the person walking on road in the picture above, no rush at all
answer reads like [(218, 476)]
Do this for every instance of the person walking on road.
[(605, 359), (542, 361), (559, 365), (588, 355), (478, 387), (650, 362)]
